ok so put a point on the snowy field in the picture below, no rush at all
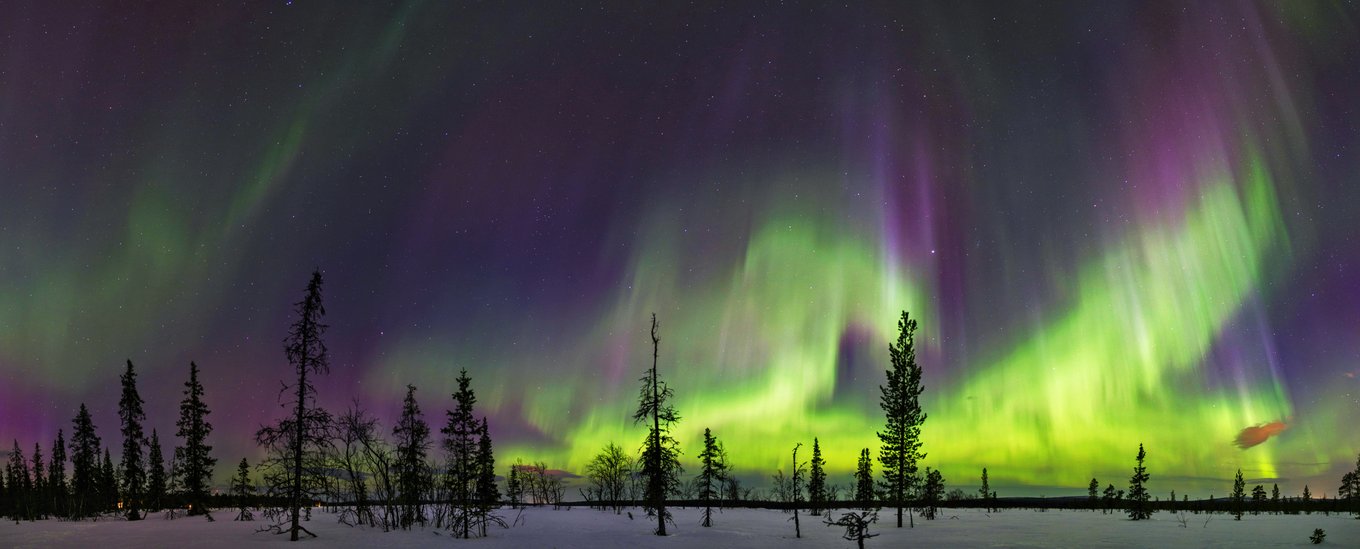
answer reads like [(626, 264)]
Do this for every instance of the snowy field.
[(586, 528)]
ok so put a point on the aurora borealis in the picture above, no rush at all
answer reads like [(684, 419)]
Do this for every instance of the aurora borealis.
[(1117, 223)]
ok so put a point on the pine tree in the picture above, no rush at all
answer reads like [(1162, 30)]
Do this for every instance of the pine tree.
[(816, 480), (711, 475), (660, 460), (133, 473), (84, 465), (1138, 493), (39, 484), (1109, 498), (514, 487), (488, 494), (413, 472), (864, 480), (1239, 496), (931, 493), (461, 449), (195, 455), (295, 461), (20, 486), (243, 490), (1275, 499), (108, 483), (1091, 493), (155, 474), (56, 478), (1307, 498), (901, 435), (1258, 499)]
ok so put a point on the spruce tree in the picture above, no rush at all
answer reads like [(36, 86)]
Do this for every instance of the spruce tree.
[(932, 492), (901, 435), (660, 459), (20, 486), (1091, 490), (711, 475), (84, 465), (461, 449), (243, 490), (796, 489), (133, 472), (1275, 499), (1139, 509), (108, 484), (56, 478), (295, 462), (986, 490), (488, 494), (514, 486), (1239, 496), (1307, 498), (195, 455), (155, 474), (864, 480), (413, 472), (39, 497), (1258, 499), (816, 480)]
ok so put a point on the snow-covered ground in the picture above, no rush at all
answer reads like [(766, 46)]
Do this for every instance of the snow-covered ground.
[(586, 528)]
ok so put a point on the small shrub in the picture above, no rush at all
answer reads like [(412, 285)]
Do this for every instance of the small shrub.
[(1318, 536)]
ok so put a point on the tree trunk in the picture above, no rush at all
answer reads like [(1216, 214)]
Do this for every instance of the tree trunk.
[(299, 439)]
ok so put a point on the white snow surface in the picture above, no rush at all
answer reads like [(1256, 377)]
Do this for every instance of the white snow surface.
[(733, 528)]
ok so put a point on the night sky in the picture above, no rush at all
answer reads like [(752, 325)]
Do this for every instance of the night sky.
[(1116, 223)]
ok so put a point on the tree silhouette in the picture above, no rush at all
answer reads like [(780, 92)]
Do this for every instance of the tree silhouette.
[(243, 490), (816, 480), (986, 490), (1139, 509), (108, 483), (1239, 496), (39, 491), (660, 460), (901, 435), (295, 460), (931, 493), (487, 493), (195, 459), (20, 485), (1110, 497), (134, 473), (609, 474), (1258, 499), (711, 475), (461, 448), (796, 489), (56, 478), (1091, 490), (413, 472), (84, 464), (864, 480), (155, 473)]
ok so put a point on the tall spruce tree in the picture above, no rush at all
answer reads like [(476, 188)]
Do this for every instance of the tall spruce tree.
[(864, 480), (816, 480), (295, 462), (1139, 507), (108, 483), (660, 459), (39, 497), (56, 478), (1239, 496), (487, 493), (155, 474), (133, 471), (20, 485), (711, 475), (986, 490), (195, 455), (413, 472), (243, 491), (901, 434), (84, 465), (460, 447)]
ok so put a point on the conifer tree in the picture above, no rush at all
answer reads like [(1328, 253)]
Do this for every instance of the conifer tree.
[(108, 483), (461, 449), (932, 492), (39, 492), (243, 490), (133, 472), (1275, 499), (84, 465), (901, 435), (1091, 491), (711, 475), (1258, 499), (295, 462), (155, 474), (488, 494), (1139, 509), (1109, 498), (986, 490), (56, 478), (796, 489), (1307, 498), (660, 460), (864, 480), (1239, 496), (816, 480), (413, 472), (20, 485), (514, 487), (195, 455)]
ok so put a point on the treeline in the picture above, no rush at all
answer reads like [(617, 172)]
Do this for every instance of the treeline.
[(403, 477)]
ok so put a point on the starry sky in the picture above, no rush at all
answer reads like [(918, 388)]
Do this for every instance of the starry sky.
[(1115, 222)]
